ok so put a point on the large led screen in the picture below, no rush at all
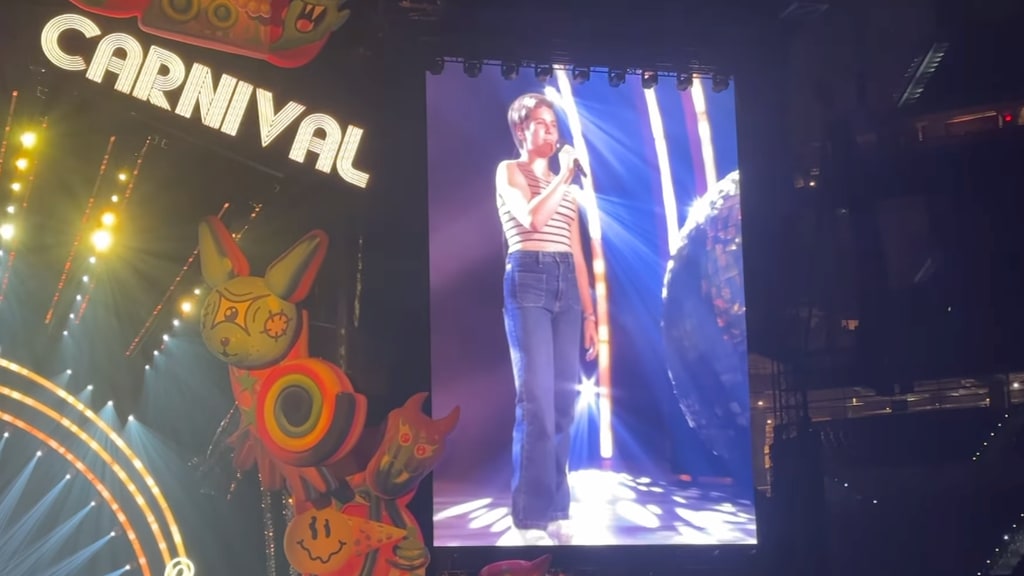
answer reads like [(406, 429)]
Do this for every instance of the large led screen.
[(587, 310)]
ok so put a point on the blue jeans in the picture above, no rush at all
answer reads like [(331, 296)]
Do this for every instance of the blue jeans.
[(543, 322)]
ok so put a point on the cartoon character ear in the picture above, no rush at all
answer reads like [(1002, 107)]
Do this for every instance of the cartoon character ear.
[(542, 564), (448, 423), (220, 257), (291, 276)]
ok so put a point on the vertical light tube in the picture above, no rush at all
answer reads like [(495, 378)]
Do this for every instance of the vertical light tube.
[(588, 200)]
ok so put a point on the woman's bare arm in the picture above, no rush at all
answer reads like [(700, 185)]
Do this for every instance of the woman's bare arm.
[(513, 189), (582, 273)]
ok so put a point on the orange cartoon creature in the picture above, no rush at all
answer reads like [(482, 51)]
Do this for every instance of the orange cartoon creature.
[(299, 414), (286, 33), (412, 445)]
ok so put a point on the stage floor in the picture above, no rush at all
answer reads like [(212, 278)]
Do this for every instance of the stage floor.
[(607, 508)]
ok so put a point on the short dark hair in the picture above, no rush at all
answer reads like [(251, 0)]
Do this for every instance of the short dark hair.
[(519, 111)]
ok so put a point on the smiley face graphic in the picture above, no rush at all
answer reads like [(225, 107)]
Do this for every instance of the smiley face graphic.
[(318, 541), (323, 541)]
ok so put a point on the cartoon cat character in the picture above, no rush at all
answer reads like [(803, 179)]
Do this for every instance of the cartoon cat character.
[(538, 567), (286, 33), (298, 414), (412, 445)]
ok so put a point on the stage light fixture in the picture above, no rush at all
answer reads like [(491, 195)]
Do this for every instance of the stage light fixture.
[(197, 291), (16, 186), (435, 66), (122, 176), (580, 74), (648, 79), (7, 231), (684, 81), (719, 83), (472, 68), (10, 209), (29, 140), (616, 77), (543, 72), (115, 198), (186, 306), (509, 70), (108, 219), (21, 163), (102, 240)]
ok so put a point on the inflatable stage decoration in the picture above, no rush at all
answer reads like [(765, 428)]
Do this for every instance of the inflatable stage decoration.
[(705, 326), (538, 567), (301, 415), (286, 33)]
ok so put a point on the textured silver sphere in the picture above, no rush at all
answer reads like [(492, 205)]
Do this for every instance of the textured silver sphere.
[(704, 324)]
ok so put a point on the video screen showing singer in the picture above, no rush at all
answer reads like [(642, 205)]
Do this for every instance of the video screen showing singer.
[(587, 312)]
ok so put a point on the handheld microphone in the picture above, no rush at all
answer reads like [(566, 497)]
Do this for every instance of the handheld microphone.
[(576, 161)]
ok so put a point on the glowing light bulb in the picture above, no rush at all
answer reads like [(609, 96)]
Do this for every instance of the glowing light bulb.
[(21, 163), (122, 176), (10, 209), (186, 306), (16, 186), (7, 231), (102, 240), (108, 219), (29, 140), (115, 198)]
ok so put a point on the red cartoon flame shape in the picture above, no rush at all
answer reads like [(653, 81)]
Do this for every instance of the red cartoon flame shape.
[(286, 33)]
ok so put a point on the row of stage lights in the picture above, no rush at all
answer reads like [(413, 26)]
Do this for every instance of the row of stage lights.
[(19, 185), (580, 74)]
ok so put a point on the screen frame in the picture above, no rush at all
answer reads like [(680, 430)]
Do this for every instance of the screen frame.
[(758, 121)]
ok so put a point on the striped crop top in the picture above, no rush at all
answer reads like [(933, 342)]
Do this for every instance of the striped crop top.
[(558, 230)]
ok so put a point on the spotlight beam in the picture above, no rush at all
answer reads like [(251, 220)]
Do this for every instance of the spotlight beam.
[(707, 147), (25, 564), (7, 129), (78, 237), (133, 488), (115, 438), (668, 191), (25, 526), (12, 495), (122, 518), (589, 200)]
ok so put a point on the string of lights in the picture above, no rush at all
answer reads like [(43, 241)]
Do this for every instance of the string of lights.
[(78, 237), (23, 163), (991, 436), (7, 129), (115, 438), (103, 237), (82, 469), (1003, 558)]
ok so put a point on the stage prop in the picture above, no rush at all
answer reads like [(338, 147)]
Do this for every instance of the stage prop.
[(299, 415), (285, 33), (704, 323), (538, 567)]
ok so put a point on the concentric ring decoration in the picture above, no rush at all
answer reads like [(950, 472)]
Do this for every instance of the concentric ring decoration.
[(308, 414), (40, 403)]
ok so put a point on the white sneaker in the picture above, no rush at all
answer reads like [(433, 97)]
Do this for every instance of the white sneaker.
[(535, 538), (561, 532)]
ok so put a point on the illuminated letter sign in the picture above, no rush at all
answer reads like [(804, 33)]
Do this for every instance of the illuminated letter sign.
[(151, 76)]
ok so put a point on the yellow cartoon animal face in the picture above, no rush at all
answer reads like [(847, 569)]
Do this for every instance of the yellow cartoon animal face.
[(247, 321)]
